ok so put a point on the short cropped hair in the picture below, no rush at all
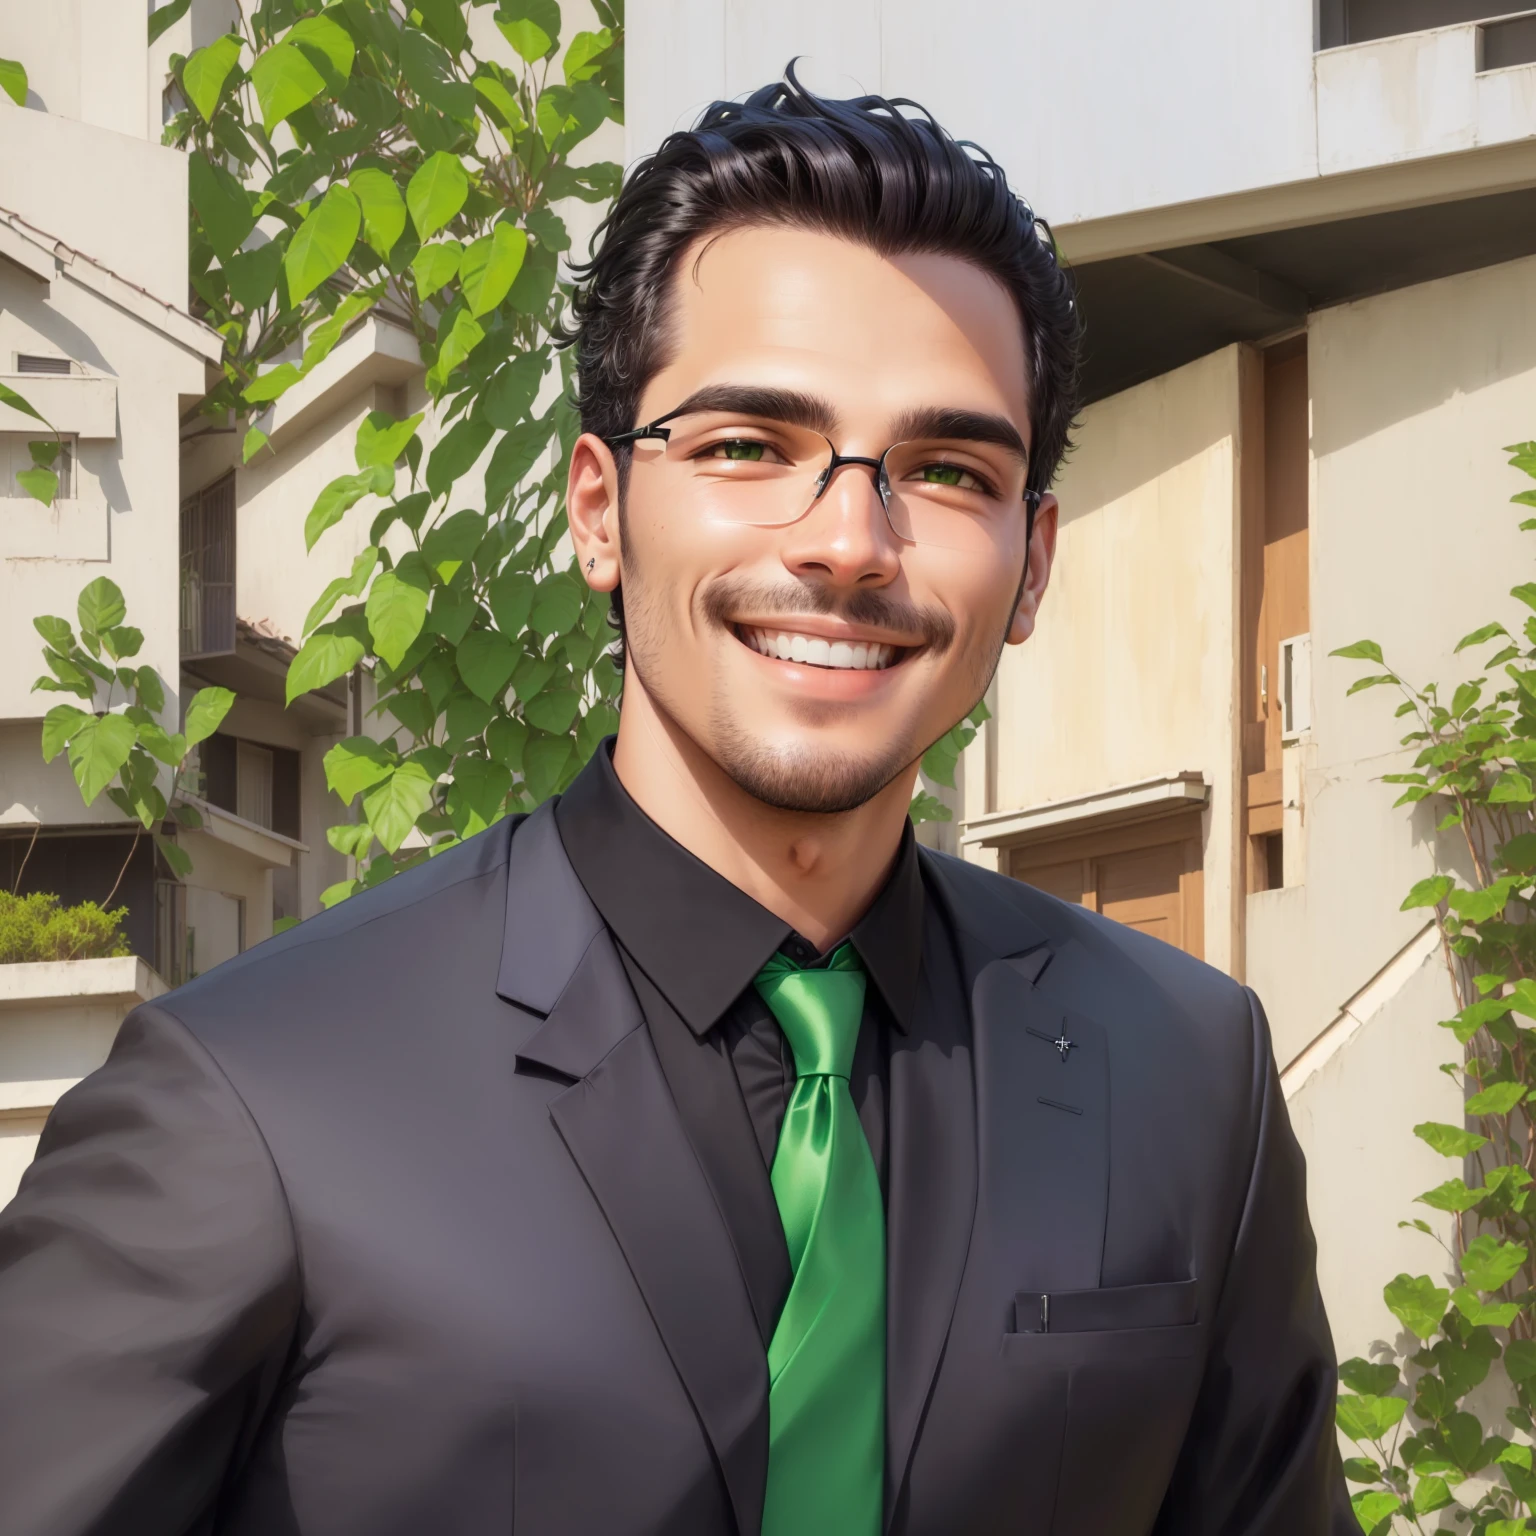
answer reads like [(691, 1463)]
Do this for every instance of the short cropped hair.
[(880, 173)]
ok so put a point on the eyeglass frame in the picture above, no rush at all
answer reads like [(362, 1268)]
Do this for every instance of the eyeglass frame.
[(658, 431)]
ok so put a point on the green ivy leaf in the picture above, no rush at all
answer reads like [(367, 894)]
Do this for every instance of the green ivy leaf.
[(1453, 1196), (1361, 650), (1483, 1314), (100, 606), (496, 95), (1430, 1494), (350, 585), (1374, 1508), (162, 19), (429, 72), (356, 764), (59, 724), (433, 266), (553, 710), (531, 26), (323, 658), (206, 712), (98, 749), (511, 597), (285, 80), (396, 610), (480, 788), (584, 54), (323, 36), (486, 661), (392, 806), (205, 72), (926, 807), (322, 242), (13, 78), (545, 759), (383, 208), (557, 604), (1496, 1100), (456, 453), (1367, 1377), (1428, 892), (436, 193), (506, 738), (1364, 1417), (511, 392), (381, 439), (1449, 1140), (465, 336), (40, 484), (224, 208), (1489, 1263), (490, 266), (272, 383), (333, 503), (1417, 1303), (1511, 788)]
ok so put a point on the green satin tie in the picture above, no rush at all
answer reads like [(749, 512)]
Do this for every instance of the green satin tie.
[(826, 1361)]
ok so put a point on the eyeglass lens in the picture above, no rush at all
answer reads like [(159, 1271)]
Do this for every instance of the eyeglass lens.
[(768, 474)]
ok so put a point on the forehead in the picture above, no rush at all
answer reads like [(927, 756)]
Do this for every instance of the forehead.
[(875, 335)]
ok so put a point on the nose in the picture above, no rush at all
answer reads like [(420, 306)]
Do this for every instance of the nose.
[(846, 538)]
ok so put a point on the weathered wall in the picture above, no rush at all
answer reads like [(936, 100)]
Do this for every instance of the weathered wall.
[(1130, 673)]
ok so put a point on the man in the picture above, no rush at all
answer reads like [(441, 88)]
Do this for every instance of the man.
[(697, 1154)]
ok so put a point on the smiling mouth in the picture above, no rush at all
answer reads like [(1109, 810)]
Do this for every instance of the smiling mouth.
[(817, 651)]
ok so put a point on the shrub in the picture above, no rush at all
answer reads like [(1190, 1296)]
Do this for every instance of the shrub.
[(36, 927)]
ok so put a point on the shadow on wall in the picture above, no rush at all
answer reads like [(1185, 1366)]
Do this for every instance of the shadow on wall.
[(1388, 359)]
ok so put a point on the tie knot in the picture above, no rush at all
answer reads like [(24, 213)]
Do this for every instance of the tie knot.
[(818, 1010)]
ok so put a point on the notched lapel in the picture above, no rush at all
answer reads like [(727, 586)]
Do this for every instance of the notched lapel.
[(622, 1129)]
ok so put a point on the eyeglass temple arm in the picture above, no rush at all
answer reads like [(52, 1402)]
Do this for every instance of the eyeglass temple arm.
[(652, 429)]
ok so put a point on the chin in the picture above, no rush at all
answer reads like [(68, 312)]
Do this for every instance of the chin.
[(806, 777)]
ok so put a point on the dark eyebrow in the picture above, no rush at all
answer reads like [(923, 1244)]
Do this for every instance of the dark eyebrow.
[(949, 424), (789, 406)]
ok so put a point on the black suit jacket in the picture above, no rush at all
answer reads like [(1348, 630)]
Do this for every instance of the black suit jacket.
[(390, 1226)]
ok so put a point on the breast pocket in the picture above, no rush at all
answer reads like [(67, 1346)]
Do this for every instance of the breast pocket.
[(1133, 1357)]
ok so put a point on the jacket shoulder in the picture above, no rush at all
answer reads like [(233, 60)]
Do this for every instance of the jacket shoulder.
[(1194, 988), (381, 927)]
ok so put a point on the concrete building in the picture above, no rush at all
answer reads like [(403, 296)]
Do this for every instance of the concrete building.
[(1305, 239)]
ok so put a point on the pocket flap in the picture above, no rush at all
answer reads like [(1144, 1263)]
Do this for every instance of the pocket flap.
[(1166, 1305)]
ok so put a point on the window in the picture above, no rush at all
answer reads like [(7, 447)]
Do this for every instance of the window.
[(1148, 876), (1363, 21), (15, 456), (208, 570), (259, 783)]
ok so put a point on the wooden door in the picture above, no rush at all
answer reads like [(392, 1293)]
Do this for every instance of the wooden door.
[(1148, 876)]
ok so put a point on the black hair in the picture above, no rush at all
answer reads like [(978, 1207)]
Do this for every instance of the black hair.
[(879, 172)]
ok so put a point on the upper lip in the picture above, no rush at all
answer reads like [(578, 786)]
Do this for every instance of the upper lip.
[(823, 627)]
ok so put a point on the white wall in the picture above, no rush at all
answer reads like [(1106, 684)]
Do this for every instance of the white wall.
[(1102, 107)]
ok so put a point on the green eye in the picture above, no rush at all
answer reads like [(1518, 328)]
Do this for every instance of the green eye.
[(945, 474), (738, 449)]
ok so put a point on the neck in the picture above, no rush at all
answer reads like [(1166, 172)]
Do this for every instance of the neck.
[(818, 872)]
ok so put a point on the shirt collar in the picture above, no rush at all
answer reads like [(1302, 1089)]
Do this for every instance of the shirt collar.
[(699, 938)]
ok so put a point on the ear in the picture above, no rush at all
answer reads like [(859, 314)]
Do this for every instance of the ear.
[(592, 506), (1042, 551)]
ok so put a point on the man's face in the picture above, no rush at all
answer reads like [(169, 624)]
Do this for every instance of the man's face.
[(730, 557)]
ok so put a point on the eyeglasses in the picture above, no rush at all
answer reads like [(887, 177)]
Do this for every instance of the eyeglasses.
[(769, 474)]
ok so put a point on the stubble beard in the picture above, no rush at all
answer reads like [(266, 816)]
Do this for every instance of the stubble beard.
[(802, 780)]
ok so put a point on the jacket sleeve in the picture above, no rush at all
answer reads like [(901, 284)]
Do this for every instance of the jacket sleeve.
[(1261, 1457), (148, 1296)]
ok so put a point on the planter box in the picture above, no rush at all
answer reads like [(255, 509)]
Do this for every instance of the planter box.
[(58, 1019)]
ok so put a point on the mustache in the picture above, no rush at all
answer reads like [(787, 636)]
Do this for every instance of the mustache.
[(929, 627)]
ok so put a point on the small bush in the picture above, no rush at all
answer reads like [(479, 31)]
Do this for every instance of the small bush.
[(36, 927)]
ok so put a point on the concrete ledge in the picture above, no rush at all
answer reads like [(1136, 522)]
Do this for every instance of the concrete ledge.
[(260, 843), (377, 352), (73, 403), (1118, 806), (124, 980)]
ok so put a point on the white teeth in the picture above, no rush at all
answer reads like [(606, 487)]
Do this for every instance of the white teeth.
[(812, 650)]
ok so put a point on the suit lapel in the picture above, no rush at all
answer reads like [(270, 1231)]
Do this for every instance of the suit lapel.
[(930, 1202), (619, 1123), (999, 1147)]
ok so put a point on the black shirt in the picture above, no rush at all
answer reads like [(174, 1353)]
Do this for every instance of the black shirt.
[(692, 943)]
